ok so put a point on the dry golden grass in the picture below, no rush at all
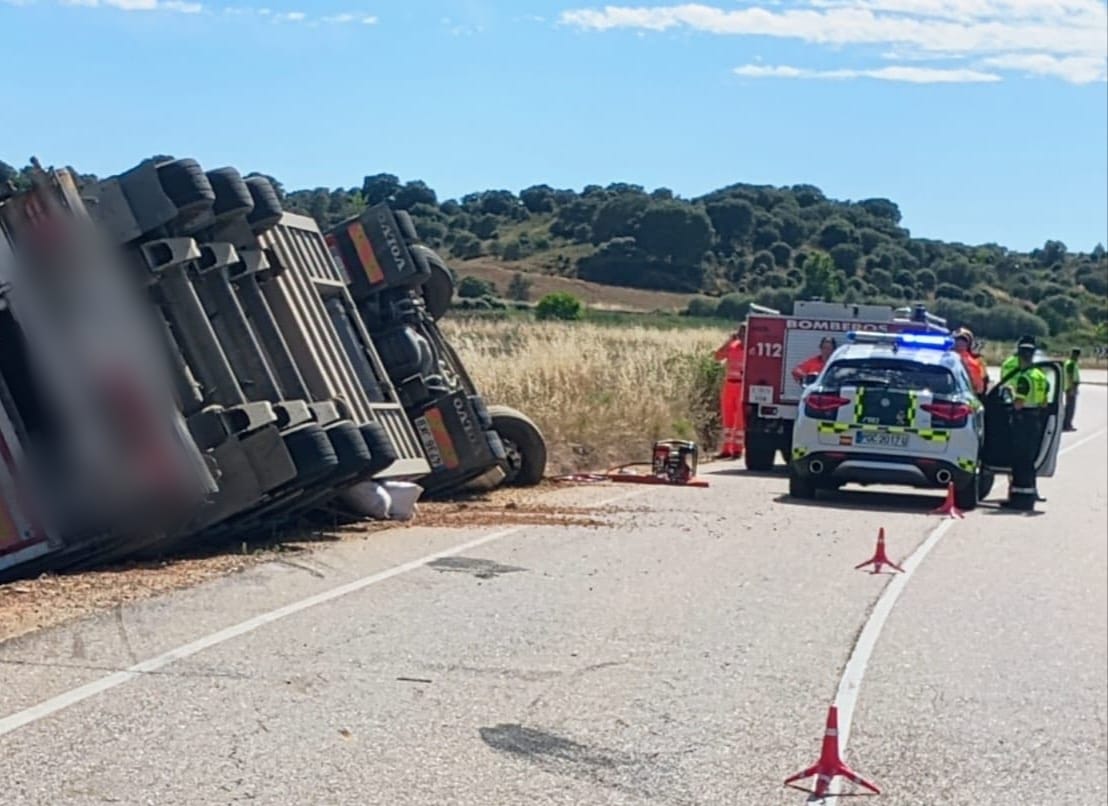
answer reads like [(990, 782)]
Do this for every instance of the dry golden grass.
[(600, 394)]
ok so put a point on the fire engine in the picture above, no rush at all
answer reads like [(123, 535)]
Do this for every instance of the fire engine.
[(777, 343)]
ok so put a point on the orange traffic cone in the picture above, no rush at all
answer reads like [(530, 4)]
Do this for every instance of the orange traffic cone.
[(949, 507), (879, 557), (830, 764)]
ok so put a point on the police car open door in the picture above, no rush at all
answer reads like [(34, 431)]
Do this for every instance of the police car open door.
[(996, 452)]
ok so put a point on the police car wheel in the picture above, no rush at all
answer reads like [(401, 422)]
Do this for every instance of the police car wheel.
[(965, 497), (985, 479), (801, 487)]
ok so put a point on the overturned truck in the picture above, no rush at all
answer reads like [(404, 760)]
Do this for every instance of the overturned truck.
[(255, 368)]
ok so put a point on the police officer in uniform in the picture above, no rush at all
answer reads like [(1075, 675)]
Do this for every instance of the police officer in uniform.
[(1029, 398)]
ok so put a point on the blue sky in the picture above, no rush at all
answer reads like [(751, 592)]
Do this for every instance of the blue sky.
[(985, 120)]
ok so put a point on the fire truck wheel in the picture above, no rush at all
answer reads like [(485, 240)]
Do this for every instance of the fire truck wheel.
[(232, 196), (438, 291), (407, 228), (380, 446), (760, 453), (267, 207), (523, 444), (186, 185), (311, 452), (801, 487)]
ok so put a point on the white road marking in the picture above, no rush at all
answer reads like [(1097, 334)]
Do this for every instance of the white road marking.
[(73, 696), (847, 695)]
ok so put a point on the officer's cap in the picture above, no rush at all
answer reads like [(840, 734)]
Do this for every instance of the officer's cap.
[(1026, 344)]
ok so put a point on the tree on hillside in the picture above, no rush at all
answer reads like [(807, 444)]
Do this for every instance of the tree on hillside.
[(675, 232)]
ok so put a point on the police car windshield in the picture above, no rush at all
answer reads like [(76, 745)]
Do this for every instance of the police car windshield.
[(890, 373)]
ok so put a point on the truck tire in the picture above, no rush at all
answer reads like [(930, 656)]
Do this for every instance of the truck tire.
[(352, 451), (407, 228), (267, 207), (312, 454), (232, 196), (380, 446), (438, 291), (523, 444), (801, 487), (186, 185), (760, 453)]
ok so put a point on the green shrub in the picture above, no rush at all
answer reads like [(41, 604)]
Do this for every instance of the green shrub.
[(559, 305)]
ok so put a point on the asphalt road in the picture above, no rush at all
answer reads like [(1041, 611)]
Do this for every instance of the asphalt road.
[(684, 653)]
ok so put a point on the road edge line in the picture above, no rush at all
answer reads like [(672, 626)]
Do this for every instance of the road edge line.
[(850, 683)]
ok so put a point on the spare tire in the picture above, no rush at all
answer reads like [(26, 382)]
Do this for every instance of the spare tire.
[(186, 185), (524, 445), (267, 207), (232, 197)]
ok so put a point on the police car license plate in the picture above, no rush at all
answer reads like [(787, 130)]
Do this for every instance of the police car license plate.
[(881, 439)]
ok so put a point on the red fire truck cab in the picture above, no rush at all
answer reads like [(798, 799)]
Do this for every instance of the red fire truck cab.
[(777, 343)]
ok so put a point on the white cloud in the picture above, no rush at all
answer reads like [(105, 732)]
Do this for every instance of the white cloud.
[(909, 74), (179, 6), (1076, 69), (1066, 37), (198, 7)]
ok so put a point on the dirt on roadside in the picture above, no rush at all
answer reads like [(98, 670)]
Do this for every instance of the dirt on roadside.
[(53, 599)]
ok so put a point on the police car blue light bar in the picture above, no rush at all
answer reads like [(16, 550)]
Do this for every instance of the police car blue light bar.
[(926, 340)]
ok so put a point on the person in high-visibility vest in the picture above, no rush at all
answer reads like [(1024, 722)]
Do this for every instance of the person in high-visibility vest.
[(1029, 399), (814, 365), (975, 367), (1071, 380), (733, 352)]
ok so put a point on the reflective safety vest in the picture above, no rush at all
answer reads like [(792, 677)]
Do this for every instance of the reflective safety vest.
[(1009, 367), (1072, 374), (1032, 387), (735, 354)]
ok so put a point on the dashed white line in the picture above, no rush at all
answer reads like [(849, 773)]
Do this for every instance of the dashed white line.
[(851, 681), (73, 696)]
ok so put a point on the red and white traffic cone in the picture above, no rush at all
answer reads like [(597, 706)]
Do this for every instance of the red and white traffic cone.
[(949, 507), (830, 764), (879, 557)]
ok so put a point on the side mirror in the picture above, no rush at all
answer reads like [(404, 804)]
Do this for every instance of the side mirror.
[(810, 378), (1006, 396)]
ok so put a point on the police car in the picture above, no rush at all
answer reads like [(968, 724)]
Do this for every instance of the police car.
[(891, 409)]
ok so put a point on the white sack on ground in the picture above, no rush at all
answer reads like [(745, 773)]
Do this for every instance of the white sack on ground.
[(368, 498), (404, 495)]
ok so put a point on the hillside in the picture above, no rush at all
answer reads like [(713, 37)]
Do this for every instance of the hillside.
[(743, 243), (735, 245)]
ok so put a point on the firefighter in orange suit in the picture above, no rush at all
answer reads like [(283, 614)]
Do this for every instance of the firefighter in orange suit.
[(733, 352), (814, 365), (975, 367)]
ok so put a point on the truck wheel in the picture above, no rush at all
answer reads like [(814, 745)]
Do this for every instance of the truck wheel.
[(523, 444), (801, 487), (760, 453), (312, 454), (985, 479), (352, 451), (380, 446), (407, 228), (267, 207), (187, 187), (438, 291), (232, 196), (965, 497)]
